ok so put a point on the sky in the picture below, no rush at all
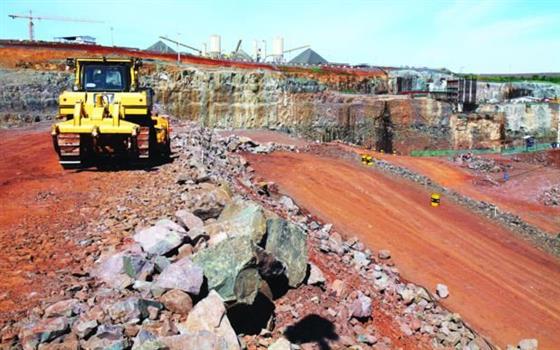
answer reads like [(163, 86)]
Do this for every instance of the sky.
[(492, 36)]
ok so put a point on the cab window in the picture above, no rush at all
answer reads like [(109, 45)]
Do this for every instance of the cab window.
[(105, 78)]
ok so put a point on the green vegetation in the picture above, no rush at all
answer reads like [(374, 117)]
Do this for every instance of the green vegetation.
[(317, 70), (512, 78)]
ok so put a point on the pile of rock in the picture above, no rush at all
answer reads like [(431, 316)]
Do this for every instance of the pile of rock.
[(156, 288), (551, 196), (215, 259), (479, 164)]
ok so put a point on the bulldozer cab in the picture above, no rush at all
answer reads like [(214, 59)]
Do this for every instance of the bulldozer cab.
[(108, 77), (105, 74)]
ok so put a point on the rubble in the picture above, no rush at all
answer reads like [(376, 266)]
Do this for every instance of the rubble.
[(174, 285), (550, 196)]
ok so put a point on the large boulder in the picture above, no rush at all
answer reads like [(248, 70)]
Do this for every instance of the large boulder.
[(208, 200), (288, 243), (238, 218), (160, 239), (230, 267), (182, 275), (210, 315)]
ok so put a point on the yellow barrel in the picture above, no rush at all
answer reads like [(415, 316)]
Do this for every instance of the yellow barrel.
[(436, 197), (369, 160), (364, 159)]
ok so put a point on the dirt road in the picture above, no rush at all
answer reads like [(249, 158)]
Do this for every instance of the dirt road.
[(519, 195), (504, 287)]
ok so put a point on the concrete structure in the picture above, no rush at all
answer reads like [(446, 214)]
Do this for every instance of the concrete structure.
[(215, 47), (77, 39)]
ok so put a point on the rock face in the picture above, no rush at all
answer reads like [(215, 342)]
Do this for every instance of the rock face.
[(182, 275), (210, 315), (230, 267), (288, 243)]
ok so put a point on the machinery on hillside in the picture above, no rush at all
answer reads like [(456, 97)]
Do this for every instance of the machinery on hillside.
[(108, 114)]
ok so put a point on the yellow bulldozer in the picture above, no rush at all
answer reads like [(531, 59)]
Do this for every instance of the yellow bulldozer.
[(107, 114)]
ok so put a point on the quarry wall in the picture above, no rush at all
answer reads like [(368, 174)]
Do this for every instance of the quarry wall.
[(314, 104)]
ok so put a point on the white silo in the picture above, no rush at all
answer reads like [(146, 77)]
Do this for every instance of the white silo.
[(215, 49), (278, 49)]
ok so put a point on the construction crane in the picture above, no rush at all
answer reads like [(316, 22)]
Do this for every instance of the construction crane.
[(181, 44), (30, 17), (296, 48)]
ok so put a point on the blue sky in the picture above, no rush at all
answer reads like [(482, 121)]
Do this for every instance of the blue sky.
[(468, 36)]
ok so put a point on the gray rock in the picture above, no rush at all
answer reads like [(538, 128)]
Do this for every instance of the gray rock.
[(132, 309), (177, 301), (382, 282), (111, 271), (281, 344), (161, 262), (145, 340), (368, 339), (528, 344), (108, 337), (442, 291), (288, 204), (200, 340), (230, 268), (159, 240), (288, 243), (361, 306), (407, 295), (64, 308), (384, 254), (239, 217), (315, 275), (84, 327), (171, 225), (42, 331), (360, 259), (137, 266), (183, 275), (210, 315), (188, 220), (208, 201)]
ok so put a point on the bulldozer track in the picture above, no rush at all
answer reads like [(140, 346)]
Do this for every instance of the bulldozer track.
[(144, 143), (70, 149)]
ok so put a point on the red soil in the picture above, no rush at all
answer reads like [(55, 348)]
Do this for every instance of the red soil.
[(503, 286), (519, 195), (13, 53), (42, 212)]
